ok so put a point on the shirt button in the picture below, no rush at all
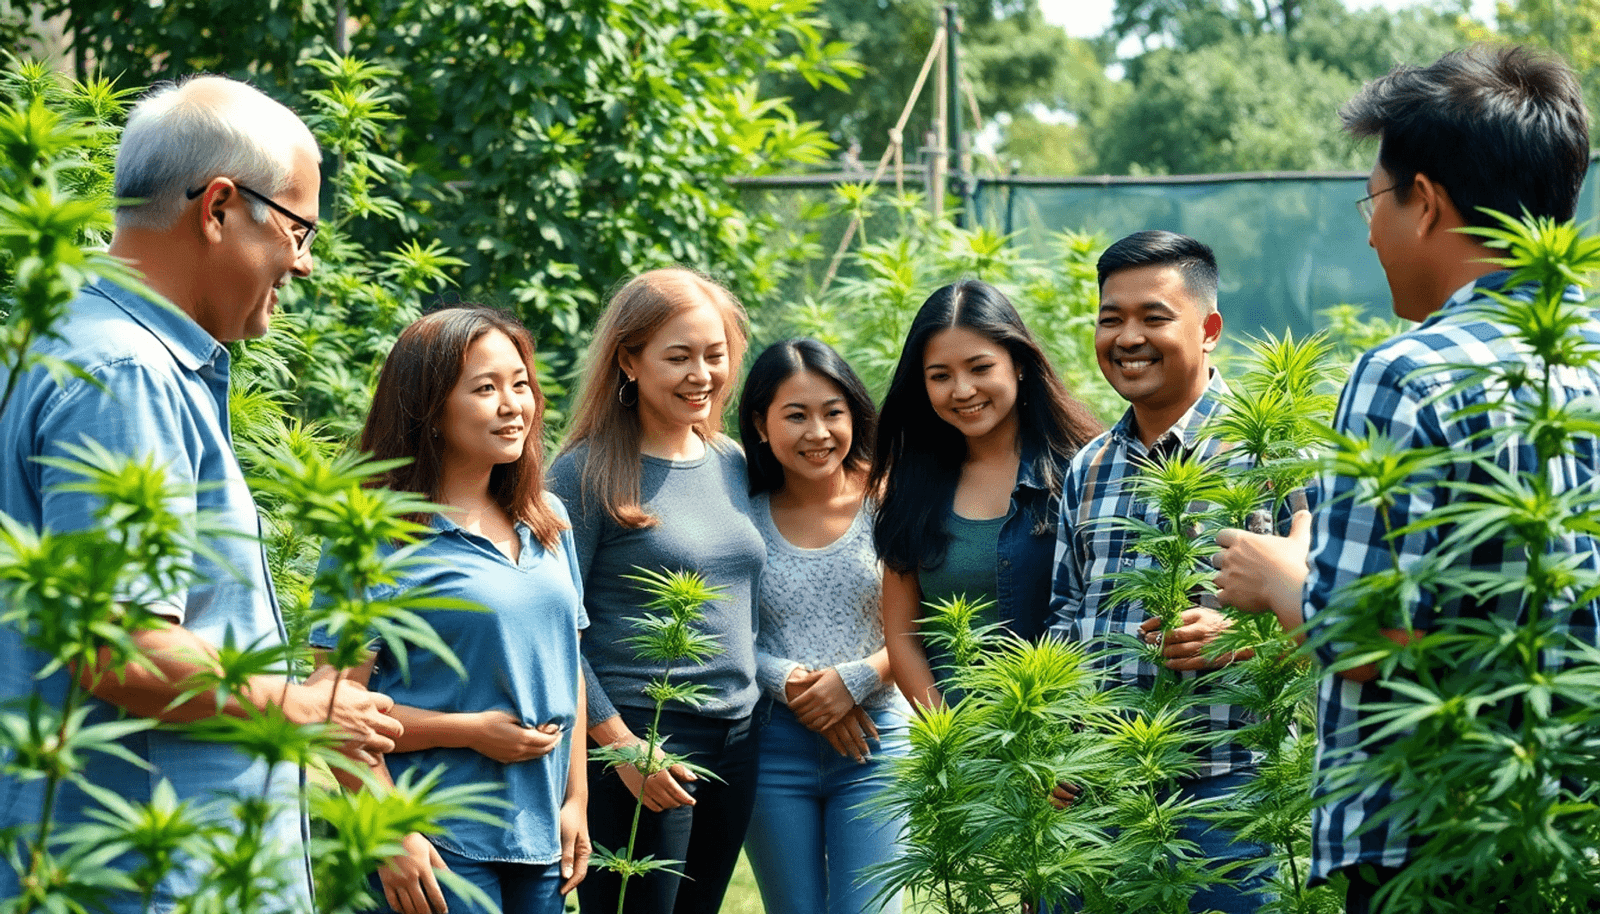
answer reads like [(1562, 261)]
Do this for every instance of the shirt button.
[(1005, 563)]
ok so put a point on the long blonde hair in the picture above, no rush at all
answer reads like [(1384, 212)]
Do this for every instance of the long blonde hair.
[(602, 421)]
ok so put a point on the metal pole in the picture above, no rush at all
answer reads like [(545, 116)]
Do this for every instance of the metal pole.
[(939, 164), (961, 164), (339, 42)]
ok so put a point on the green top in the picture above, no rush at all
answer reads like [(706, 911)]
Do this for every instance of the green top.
[(969, 570)]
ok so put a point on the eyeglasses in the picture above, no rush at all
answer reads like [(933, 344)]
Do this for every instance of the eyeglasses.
[(303, 243), (1364, 205)]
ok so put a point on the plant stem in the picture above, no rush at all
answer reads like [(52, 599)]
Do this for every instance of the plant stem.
[(638, 801)]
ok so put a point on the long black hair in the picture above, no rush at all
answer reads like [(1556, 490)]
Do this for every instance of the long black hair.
[(780, 362), (917, 460)]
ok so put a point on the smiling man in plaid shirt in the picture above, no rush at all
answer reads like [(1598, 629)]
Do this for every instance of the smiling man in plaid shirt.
[(1157, 325), (1502, 129)]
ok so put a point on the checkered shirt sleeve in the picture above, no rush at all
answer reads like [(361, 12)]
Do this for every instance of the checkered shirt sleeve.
[(1386, 394)]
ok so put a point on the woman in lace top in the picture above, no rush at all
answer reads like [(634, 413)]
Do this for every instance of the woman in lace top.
[(831, 711)]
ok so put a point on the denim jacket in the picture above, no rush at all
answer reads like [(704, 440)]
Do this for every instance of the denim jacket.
[(1026, 560)]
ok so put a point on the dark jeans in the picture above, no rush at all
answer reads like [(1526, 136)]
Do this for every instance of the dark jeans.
[(1365, 881), (705, 837)]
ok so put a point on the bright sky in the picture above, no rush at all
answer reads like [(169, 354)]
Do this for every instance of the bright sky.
[(1087, 18)]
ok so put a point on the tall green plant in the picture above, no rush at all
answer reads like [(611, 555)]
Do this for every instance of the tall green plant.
[(1488, 735), (667, 637)]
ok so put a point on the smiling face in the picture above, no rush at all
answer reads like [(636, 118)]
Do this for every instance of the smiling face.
[(492, 409), (808, 426), (682, 372), (971, 382), (1153, 340), (252, 260)]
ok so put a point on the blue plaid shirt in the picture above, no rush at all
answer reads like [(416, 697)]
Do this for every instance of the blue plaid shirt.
[(1349, 542), (1087, 553)]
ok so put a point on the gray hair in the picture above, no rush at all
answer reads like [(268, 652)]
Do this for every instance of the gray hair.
[(181, 135)]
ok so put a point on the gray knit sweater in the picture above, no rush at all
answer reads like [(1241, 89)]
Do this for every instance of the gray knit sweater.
[(704, 525)]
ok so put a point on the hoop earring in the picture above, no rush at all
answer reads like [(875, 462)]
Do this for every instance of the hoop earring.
[(621, 390)]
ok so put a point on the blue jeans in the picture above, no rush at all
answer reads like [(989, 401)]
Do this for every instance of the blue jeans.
[(705, 837), (1235, 894), (809, 838), (518, 888)]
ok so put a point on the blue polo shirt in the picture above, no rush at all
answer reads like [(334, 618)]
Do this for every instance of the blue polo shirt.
[(164, 396), (521, 657)]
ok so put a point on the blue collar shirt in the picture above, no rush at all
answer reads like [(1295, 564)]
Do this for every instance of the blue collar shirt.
[(521, 657), (164, 396)]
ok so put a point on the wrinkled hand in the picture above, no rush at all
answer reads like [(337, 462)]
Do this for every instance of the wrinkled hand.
[(823, 702), (1183, 646), (1257, 573), (664, 790), (1065, 794), (505, 739), (360, 716), (849, 736), (575, 846), (409, 883)]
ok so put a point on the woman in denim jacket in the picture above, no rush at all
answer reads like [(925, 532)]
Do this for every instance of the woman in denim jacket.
[(973, 443)]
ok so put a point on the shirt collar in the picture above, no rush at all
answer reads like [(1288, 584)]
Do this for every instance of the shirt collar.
[(1185, 429), (189, 343)]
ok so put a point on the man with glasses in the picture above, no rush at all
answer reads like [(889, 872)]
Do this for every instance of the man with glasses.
[(219, 188), (1500, 129)]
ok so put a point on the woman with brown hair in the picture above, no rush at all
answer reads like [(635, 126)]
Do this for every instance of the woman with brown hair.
[(458, 399), (653, 484)]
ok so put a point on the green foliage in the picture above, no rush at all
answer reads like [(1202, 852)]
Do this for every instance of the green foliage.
[(667, 637), (980, 769), (1488, 731), (82, 597), (1231, 87)]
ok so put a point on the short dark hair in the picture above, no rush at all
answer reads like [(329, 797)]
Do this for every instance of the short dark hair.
[(916, 462), (1499, 128), (780, 362), (1192, 259)]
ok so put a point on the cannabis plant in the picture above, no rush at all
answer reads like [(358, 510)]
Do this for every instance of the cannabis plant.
[(1487, 731), (667, 637), (981, 834), (81, 597)]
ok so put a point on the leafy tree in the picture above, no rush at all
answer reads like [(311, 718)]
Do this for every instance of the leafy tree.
[(556, 146), (1012, 57), (1252, 86)]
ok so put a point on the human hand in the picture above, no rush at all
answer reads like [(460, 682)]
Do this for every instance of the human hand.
[(663, 790), (1183, 646), (504, 738), (1065, 794), (409, 883), (824, 702), (360, 716), (575, 846), (1256, 573), (849, 736)]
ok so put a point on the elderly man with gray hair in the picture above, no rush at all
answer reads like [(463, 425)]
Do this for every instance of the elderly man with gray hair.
[(220, 187)]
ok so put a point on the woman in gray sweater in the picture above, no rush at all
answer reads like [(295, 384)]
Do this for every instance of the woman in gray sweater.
[(651, 483)]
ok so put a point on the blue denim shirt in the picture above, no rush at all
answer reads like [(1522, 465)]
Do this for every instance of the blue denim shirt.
[(164, 396), (521, 657)]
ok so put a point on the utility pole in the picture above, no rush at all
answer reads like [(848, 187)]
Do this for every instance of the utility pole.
[(939, 162), (961, 162)]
